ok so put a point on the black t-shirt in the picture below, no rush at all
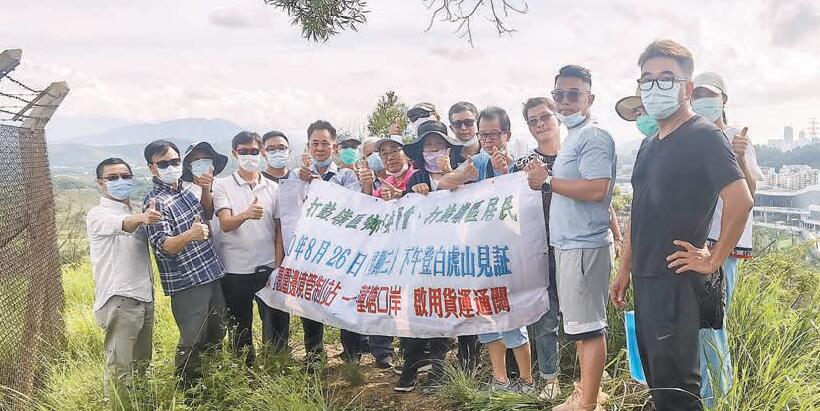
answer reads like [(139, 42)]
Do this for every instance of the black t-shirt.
[(522, 162), (676, 182)]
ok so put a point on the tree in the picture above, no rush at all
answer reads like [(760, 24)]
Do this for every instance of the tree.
[(322, 19), (389, 110)]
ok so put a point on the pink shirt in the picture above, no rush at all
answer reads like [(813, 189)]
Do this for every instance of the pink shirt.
[(401, 183)]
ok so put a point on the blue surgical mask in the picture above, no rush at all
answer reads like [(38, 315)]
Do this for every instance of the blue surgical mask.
[(324, 163), (709, 107), (201, 166), (119, 189), (660, 104), (647, 125), (170, 174), (248, 162), (375, 162), (278, 158), (349, 155), (571, 120)]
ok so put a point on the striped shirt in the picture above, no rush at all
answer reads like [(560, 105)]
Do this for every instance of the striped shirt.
[(197, 263)]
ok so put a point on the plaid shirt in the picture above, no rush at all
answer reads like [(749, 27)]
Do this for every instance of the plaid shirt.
[(197, 263)]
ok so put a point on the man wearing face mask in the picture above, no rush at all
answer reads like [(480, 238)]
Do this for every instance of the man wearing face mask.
[(678, 177), (631, 109), (348, 150), (248, 211), (708, 100), (277, 149), (121, 267), (189, 268), (579, 219)]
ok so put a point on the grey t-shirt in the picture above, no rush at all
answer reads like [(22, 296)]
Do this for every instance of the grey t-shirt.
[(588, 153)]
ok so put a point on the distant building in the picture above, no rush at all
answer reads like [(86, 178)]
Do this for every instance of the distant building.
[(793, 177), (776, 143), (788, 137)]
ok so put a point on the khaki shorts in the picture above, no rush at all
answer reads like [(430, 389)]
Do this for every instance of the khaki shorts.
[(582, 278)]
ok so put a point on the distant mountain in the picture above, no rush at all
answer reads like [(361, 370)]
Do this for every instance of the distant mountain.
[(63, 129), (181, 131)]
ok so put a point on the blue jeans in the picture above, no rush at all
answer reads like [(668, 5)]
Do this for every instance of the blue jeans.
[(544, 332), (715, 360)]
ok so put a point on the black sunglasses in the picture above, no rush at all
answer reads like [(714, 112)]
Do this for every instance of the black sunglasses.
[(572, 95), (544, 118), (165, 163), (115, 177), (463, 123), (247, 151)]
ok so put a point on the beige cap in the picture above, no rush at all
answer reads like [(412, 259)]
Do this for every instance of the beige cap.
[(711, 81)]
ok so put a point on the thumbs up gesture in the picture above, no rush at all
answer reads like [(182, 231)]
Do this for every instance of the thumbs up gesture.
[(536, 174), (499, 161), (198, 230), (151, 215), (739, 144), (304, 170), (254, 211), (206, 180), (444, 163), (364, 173)]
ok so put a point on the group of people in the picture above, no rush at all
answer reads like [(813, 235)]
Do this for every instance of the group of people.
[(216, 240)]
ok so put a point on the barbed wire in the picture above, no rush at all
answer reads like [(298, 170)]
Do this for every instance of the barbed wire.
[(20, 84), (20, 115)]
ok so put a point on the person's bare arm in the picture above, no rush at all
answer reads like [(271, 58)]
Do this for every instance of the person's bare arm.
[(737, 202), (278, 243), (581, 190), (230, 221), (617, 290)]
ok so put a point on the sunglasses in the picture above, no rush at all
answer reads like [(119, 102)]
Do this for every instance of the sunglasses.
[(544, 118), (463, 123), (165, 163), (115, 177), (247, 151), (572, 96)]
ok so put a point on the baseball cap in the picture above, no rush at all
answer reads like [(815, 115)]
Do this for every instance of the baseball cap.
[(345, 137), (711, 81)]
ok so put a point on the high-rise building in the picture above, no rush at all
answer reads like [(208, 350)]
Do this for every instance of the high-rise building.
[(788, 136)]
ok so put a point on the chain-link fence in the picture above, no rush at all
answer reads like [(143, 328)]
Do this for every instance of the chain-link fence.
[(31, 292)]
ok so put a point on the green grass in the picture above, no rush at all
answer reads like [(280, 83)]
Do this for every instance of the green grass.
[(773, 329)]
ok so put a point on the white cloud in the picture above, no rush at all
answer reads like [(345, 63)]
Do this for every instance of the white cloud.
[(243, 61)]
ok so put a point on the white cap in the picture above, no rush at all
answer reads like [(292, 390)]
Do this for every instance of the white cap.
[(711, 81)]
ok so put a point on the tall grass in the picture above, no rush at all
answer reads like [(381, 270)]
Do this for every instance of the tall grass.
[(773, 329)]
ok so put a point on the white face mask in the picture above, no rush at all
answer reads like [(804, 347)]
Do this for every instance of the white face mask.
[(170, 174), (709, 107), (660, 104), (278, 158), (248, 162), (201, 166)]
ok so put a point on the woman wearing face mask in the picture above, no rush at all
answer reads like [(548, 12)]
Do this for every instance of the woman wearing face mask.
[(631, 109), (708, 100), (199, 166), (435, 158)]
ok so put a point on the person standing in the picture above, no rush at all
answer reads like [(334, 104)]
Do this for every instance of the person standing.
[(709, 97), (248, 210), (277, 154), (123, 278), (678, 176), (189, 268)]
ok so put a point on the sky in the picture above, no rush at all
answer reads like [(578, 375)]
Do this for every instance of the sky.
[(148, 61)]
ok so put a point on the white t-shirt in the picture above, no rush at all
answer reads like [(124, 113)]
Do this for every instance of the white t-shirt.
[(744, 245), (120, 263), (252, 244)]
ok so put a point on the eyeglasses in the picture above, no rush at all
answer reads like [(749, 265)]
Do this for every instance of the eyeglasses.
[(115, 177), (247, 151), (544, 118), (165, 163), (572, 95), (489, 135), (388, 154), (469, 122), (275, 149), (663, 83)]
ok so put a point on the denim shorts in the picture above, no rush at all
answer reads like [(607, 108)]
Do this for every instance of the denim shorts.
[(512, 339)]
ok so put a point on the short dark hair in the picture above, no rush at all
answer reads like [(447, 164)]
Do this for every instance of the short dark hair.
[(461, 107), (492, 113), (535, 102), (272, 134), (575, 71), (156, 148), (110, 162), (670, 49), (246, 137), (321, 125)]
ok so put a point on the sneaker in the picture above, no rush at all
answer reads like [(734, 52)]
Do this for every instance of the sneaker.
[(497, 386), (551, 390), (397, 369), (431, 386), (384, 363), (522, 387), (407, 382), (426, 367)]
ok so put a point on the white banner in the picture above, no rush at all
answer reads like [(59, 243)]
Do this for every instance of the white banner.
[(461, 262)]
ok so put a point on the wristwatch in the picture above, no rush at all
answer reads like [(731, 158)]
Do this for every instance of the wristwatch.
[(546, 186)]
